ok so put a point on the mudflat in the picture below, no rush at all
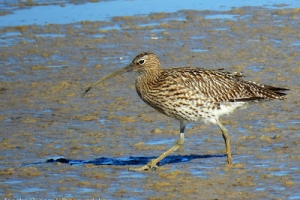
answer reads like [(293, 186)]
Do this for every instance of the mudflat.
[(56, 144)]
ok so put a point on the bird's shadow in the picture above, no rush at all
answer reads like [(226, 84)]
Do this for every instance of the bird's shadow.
[(131, 160)]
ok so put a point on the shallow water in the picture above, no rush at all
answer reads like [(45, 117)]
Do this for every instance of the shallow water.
[(56, 144), (62, 12)]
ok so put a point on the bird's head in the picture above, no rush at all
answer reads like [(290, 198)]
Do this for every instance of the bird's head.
[(142, 63)]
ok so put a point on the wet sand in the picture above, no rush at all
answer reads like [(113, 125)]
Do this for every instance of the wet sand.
[(55, 144)]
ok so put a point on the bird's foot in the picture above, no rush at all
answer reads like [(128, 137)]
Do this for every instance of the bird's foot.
[(229, 157), (150, 166)]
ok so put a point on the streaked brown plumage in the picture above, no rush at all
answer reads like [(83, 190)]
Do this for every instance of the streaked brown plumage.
[(192, 94)]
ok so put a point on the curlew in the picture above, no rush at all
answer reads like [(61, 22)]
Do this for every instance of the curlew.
[(191, 94)]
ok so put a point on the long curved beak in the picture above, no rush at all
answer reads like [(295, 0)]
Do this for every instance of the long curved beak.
[(116, 73)]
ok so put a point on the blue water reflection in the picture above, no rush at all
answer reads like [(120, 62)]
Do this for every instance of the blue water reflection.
[(70, 13)]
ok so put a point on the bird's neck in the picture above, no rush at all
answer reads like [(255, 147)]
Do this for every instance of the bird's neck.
[(147, 80)]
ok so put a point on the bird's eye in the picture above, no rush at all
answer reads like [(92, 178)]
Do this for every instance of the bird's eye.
[(141, 61)]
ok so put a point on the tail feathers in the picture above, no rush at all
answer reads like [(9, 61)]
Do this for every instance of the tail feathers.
[(276, 90), (260, 92)]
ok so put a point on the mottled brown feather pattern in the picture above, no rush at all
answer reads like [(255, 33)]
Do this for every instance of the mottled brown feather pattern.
[(193, 93)]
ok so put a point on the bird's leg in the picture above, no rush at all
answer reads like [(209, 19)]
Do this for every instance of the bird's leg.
[(227, 141), (152, 164)]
